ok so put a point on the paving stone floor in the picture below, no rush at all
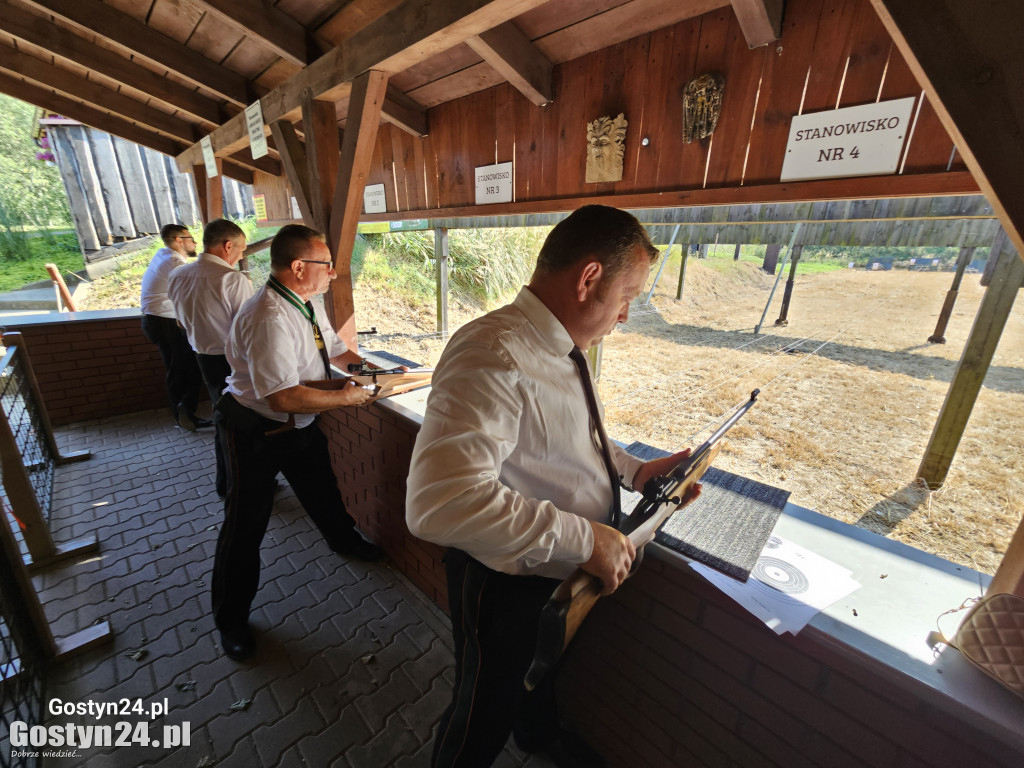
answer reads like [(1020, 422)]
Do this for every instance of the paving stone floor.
[(354, 664)]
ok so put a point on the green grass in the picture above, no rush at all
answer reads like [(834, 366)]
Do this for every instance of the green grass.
[(61, 250)]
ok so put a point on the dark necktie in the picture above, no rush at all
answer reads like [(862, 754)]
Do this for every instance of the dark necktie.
[(318, 337), (595, 417)]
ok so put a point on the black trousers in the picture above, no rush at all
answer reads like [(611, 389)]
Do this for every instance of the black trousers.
[(494, 624), (215, 370), (253, 460), (183, 378)]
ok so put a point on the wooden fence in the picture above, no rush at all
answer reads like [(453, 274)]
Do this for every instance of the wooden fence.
[(118, 190)]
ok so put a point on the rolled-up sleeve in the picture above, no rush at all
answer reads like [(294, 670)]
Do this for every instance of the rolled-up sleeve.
[(456, 496)]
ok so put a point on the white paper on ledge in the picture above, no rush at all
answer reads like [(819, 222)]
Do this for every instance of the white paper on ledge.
[(788, 586)]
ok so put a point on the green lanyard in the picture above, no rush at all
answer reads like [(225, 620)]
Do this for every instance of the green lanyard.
[(307, 312)]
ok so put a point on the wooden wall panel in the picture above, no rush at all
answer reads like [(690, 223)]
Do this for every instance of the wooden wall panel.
[(837, 48)]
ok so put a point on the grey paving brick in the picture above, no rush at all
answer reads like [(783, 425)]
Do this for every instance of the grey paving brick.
[(326, 747), (386, 747)]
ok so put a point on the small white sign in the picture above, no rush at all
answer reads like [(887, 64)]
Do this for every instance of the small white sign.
[(494, 184), (209, 159), (374, 200), (254, 124), (854, 141), (296, 213)]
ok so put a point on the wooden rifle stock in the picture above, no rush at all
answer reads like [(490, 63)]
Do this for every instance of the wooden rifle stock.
[(572, 600)]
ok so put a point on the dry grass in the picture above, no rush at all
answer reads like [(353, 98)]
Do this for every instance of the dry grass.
[(850, 393)]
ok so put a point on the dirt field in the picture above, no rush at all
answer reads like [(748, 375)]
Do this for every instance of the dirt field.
[(850, 393)]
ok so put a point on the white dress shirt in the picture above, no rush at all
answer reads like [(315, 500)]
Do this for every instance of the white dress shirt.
[(206, 295), (507, 465), (154, 298), (271, 348)]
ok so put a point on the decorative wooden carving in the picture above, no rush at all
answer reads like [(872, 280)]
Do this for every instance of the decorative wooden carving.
[(606, 144), (702, 101)]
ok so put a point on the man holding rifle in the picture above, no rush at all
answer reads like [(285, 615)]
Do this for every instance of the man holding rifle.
[(512, 471)]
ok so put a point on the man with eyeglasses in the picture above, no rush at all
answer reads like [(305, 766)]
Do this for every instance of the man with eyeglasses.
[(206, 295), (280, 340), (182, 378)]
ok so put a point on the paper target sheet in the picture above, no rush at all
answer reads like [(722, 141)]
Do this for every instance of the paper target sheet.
[(788, 586)]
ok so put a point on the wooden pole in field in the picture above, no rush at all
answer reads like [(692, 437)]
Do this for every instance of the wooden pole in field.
[(947, 307), (788, 294)]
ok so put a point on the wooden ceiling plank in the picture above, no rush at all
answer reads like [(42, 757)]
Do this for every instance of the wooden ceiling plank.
[(365, 104), (760, 20), (48, 75), (405, 112), (968, 58), (62, 42), (412, 32), (145, 42), (43, 97), (518, 60), (265, 24)]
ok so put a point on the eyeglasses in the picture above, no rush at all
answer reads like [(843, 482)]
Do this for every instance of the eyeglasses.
[(329, 264)]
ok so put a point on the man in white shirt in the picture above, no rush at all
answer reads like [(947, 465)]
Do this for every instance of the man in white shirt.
[(158, 324), (509, 472), (206, 295), (280, 339)]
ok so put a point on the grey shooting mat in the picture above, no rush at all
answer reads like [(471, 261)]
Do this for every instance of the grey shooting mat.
[(726, 527)]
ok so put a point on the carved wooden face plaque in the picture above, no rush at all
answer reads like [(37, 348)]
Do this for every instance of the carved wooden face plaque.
[(606, 145), (702, 101)]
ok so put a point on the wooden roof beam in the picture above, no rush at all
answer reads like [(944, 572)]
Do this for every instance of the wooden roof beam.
[(968, 58), (760, 20), (62, 42), (145, 42), (404, 112), (48, 75), (264, 24), (47, 99), (518, 60), (408, 34)]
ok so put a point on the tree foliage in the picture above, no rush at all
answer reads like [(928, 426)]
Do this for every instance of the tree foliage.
[(31, 192)]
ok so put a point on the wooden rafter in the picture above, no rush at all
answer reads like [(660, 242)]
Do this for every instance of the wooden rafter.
[(760, 20), (354, 166), (410, 33), (405, 113), (145, 42), (54, 102), (79, 88), (968, 58), (320, 123), (293, 163), (62, 42), (265, 24), (518, 60)]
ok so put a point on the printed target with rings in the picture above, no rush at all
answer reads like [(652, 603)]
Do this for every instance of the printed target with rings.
[(780, 575)]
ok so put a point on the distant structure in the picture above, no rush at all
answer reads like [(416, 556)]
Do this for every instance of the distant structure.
[(118, 190)]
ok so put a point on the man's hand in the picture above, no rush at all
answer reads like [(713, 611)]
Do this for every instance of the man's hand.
[(657, 468), (354, 394), (612, 557)]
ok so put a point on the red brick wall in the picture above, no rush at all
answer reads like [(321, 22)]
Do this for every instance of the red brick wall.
[(92, 364), (371, 449)]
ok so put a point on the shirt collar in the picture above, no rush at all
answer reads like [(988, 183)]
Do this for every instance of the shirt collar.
[(551, 330)]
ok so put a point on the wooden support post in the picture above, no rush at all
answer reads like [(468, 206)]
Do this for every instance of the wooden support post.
[(209, 193), (296, 169), (947, 307), (441, 259), (736, 253), (1010, 574), (993, 257), (771, 258), (788, 294), (970, 373), (364, 108), (682, 271), (63, 294), (320, 123)]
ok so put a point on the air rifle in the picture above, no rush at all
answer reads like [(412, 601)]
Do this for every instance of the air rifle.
[(572, 600)]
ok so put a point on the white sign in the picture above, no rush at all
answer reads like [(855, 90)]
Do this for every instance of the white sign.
[(209, 160), (854, 141), (254, 124), (374, 200), (494, 184)]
